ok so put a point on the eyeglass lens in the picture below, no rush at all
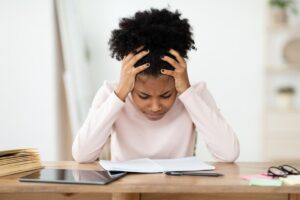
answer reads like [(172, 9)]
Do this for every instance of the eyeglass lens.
[(277, 172), (289, 169)]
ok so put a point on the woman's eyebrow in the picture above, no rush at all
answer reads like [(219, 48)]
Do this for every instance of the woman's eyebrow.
[(143, 93), (165, 93)]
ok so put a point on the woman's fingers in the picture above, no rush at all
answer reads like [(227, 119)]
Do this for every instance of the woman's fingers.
[(128, 57), (137, 57), (171, 61), (141, 68), (168, 72), (139, 48), (131, 54), (178, 57)]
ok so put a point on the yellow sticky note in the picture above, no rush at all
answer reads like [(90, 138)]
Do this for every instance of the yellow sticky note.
[(291, 180)]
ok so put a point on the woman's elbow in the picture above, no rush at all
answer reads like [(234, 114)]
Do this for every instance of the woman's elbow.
[(78, 154), (232, 155), (81, 156), (232, 158), (228, 154)]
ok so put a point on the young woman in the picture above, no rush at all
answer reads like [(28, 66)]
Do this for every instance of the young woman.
[(153, 111)]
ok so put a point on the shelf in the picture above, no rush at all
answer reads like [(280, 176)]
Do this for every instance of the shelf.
[(281, 128)]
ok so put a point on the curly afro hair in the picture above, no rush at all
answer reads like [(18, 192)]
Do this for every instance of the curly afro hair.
[(156, 30)]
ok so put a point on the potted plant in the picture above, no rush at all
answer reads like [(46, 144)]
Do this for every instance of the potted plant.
[(280, 10), (285, 97)]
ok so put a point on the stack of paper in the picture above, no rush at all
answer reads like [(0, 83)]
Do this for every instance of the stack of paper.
[(19, 160), (147, 165)]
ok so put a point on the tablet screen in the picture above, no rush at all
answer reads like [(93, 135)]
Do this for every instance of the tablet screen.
[(73, 176)]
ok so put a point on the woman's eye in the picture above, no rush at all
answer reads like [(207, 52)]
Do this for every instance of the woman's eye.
[(166, 97), (143, 97)]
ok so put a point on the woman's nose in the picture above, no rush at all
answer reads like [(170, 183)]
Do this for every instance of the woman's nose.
[(155, 106)]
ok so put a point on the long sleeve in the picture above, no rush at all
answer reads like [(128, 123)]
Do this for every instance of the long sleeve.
[(97, 127), (218, 136)]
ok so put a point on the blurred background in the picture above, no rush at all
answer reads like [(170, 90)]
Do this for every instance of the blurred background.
[(54, 57)]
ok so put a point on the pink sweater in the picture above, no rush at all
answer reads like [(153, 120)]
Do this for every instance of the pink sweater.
[(134, 136)]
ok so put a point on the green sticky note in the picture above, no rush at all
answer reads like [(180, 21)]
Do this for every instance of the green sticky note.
[(265, 182)]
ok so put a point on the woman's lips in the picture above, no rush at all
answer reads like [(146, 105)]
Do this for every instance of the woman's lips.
[(154, 116)]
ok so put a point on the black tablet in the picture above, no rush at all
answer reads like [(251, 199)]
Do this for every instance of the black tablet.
[(73, 176)]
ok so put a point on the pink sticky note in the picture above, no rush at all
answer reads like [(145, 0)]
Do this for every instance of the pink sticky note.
[(259, 176)]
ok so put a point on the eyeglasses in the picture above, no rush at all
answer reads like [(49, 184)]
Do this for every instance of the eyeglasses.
[(282, 171)]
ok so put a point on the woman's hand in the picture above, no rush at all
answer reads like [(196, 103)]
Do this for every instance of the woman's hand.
[(180, 73), (128, 73)]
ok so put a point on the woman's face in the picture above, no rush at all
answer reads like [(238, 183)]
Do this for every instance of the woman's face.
[(154, 96)]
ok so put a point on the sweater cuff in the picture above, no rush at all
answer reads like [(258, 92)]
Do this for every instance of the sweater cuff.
[(116, 100), (187, 94)]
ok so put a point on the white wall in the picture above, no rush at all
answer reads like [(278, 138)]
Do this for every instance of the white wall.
[(29, 108), (228, 34), (229, 38)]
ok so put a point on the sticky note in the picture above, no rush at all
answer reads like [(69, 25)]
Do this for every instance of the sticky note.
[(256, 176), (291, 180), (265, 182)]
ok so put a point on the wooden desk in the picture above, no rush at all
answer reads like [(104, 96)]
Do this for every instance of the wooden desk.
[(153, 186)]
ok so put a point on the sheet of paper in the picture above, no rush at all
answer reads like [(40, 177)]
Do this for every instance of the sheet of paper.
[(183, 164), (140, 165), (154, 166)]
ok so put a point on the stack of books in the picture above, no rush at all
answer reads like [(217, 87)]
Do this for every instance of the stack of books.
[(19, 160)]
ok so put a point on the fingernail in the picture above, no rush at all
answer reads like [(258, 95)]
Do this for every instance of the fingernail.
[(148, 64)]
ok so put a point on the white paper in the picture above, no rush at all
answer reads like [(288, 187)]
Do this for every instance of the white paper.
[(147, 165), (183, 164), (144, 165)]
